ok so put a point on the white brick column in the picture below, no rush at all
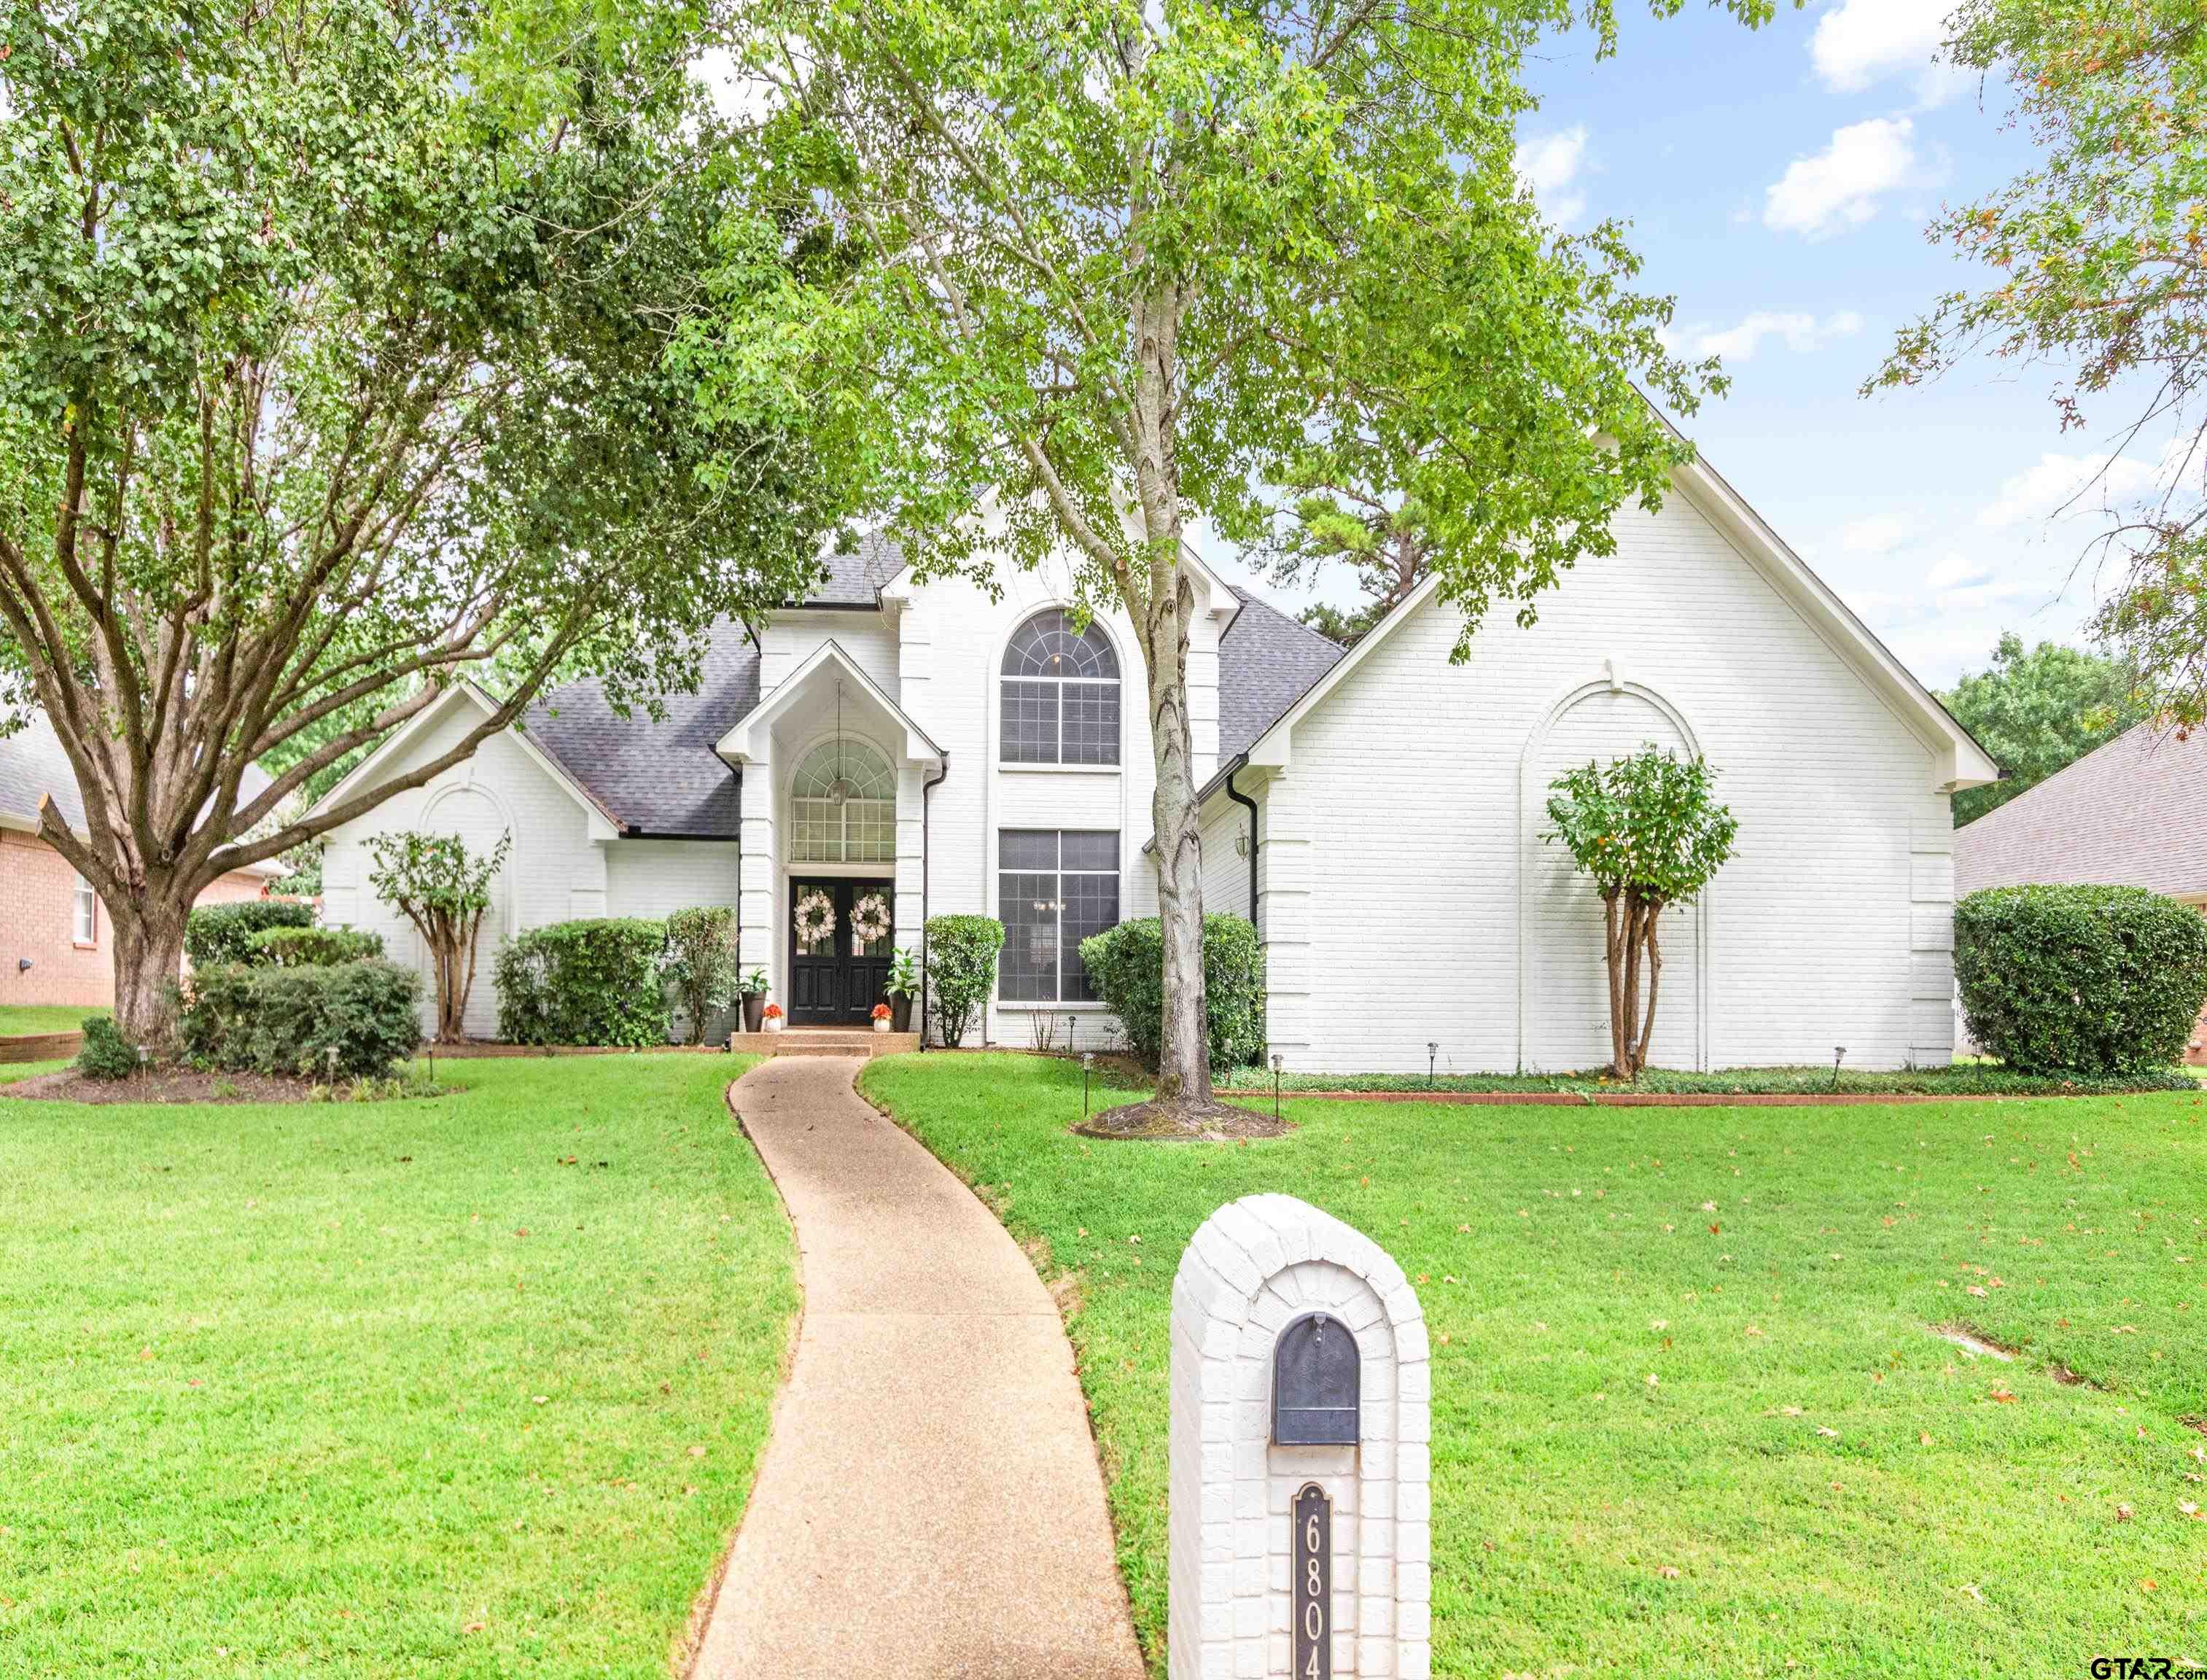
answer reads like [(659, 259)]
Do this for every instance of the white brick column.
[(1284, 915), (1253, 1267), (758, 891)]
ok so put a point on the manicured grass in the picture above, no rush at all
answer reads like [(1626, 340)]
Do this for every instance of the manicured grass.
[(464, 1386), (1968, 1078), (1839, 1492), (19, 1019)]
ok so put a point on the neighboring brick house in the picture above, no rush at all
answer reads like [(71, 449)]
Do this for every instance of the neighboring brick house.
[(2131, 814), (54, 944)]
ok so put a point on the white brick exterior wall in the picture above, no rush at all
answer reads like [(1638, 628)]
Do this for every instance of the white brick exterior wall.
[(1253, 1267), (1408, 897)]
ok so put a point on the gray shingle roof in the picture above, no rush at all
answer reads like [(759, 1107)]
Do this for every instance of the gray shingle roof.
[(855, 578), (32, 763), (1266, 662), (665, 778), (2131, 814), (658, 778)]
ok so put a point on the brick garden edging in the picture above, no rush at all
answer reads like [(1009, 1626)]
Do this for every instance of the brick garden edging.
[(41, 1046), (1678, 1100)]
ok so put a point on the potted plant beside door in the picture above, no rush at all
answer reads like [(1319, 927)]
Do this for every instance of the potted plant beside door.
[(903, 986), (881, 1018), (773, 1018), (754, 989)]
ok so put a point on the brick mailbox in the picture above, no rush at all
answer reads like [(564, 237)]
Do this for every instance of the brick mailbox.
[(1301, 1545)]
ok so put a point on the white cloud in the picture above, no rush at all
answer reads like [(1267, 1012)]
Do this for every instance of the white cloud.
[(1877, 534), (1550, 164), (2067, 487), (1860, 42), (1841, 185), (1801, 332)]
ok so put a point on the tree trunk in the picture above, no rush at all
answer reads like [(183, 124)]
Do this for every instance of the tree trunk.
[(1184, 1055), (1623, 1018), (1613, 911), (1654, 980), (149, 954)]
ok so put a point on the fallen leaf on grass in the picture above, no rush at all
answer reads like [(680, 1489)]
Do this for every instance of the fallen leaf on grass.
[(1669, 1572), (2124, 1513), (2003, 1398)]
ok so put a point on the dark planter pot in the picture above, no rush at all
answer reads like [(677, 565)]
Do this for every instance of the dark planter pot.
[(754, 1011), (900, 1014)]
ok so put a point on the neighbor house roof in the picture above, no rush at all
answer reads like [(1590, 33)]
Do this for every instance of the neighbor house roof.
[(33, 765), (2131, 814)]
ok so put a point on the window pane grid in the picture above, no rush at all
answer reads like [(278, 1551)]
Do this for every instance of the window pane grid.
[(1061, 695), (858, 828), (1053, 890)]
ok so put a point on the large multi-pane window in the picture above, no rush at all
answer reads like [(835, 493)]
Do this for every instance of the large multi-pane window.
[(842, 809), (1060, 694), (1054, 888)]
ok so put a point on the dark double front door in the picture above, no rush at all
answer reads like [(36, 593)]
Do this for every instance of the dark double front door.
[(836, 981)]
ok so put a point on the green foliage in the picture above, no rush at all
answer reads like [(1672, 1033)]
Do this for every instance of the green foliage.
[(2097, 979), (443, 890), (302, 869), (700, 962), (2094, 250), (592, 981), (1126, 965), (105, 1054), (319, 947), (903, 973), (1648, 822), (2037, 713), (221, 933), (289, 1020), (754, 983), (961, 969)]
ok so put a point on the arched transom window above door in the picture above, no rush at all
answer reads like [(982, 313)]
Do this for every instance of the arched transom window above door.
[(842, 808), (1061, 700)]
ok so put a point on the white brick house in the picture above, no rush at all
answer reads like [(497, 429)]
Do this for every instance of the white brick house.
[(952, 752)]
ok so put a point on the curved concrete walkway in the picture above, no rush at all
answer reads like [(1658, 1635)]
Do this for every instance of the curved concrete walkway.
[(929, 1503)]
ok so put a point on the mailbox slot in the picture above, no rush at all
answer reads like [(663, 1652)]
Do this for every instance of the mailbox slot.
[(1315, 1383)]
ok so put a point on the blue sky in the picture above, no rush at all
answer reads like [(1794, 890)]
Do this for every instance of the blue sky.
[(1778, 183)]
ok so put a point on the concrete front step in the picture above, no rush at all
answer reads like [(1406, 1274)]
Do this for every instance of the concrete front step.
[(823, 1041)]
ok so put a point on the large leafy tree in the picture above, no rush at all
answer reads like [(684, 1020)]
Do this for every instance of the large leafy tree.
[(334, 373), (1125, 264), (2037, 711), (2099, 261)]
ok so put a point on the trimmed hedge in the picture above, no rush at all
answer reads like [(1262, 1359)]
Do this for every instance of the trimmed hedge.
[(961, 969), (1126, 965), (220, 933), (288, 1020), (291, 947), (2087, 980), (105, 1054), (700, 964), (595, 982)]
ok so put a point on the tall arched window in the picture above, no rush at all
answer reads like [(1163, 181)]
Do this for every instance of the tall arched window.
[(842, 809), (1060, 694)]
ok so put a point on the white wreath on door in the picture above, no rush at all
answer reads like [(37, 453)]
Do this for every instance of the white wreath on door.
[(869, 919), (815, 918)]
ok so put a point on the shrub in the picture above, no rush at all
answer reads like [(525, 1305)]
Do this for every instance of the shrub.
[(701, 962), (317, 948), (2093, 979), (105, 1053), (288, 1020), (961, 969), (596, 982), (220, 933), (1126, 965)]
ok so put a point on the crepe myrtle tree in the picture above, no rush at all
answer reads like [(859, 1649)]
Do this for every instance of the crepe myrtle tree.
[(1073, 274), (1649, 830), (334, 371), (436, 883)]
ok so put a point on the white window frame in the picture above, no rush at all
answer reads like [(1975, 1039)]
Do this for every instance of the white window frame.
[(84, 913), (1058, 762), (1058, 999)]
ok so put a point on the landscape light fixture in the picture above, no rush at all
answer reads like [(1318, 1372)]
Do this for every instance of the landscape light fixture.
[(1432, 1055), (1839, 1054), (1277, 1060), (1087, 1067)]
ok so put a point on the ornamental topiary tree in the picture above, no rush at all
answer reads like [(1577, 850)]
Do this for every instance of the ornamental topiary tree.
[(1649, 831), (434, 882), (701, 962), (962, 970), (2079, 979)]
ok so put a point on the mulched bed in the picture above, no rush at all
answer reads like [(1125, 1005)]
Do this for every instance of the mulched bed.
[(175, 1085), (1201, 1122)]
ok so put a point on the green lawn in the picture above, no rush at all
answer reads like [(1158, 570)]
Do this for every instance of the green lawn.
[(19, 1019), (465, 1386), (1815, 1485)]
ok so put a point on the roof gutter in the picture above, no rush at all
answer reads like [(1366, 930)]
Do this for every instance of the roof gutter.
[(1250, 805)]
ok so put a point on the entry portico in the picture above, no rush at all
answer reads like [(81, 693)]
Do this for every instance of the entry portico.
[(834, 777)]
